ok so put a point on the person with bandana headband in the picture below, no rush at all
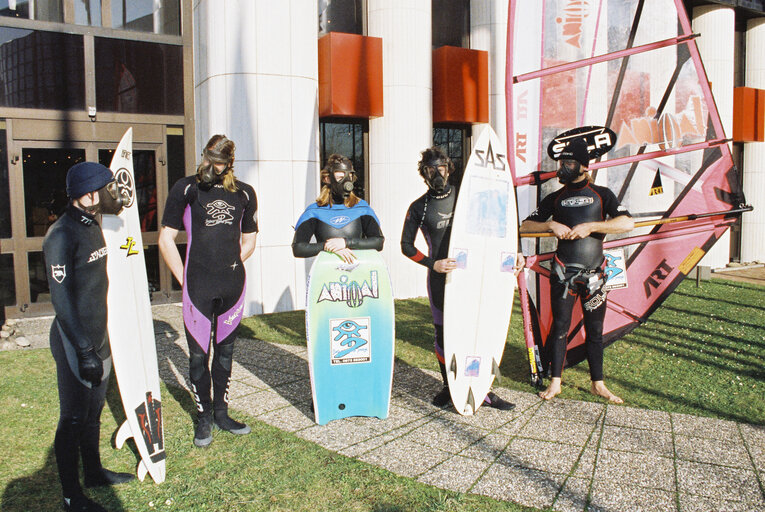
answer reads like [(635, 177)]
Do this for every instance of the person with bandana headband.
[(220, 216), (582, 214), (432, 214), (338, 221), (75, 257)]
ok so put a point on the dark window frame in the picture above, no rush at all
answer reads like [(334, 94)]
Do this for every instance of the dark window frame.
[(362, 189)]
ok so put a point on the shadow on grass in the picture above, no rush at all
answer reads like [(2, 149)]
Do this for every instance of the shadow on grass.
[(167, 336), (282, 371), (41, 491)]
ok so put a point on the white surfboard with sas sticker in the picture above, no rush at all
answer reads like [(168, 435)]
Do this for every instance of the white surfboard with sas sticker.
[(478, 298), (130, 324)]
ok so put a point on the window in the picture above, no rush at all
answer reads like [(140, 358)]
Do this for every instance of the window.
[(451, 23), (43, 10), (87, 12), (347, 138), (147, 16), (45, 185), (7, 283), (176, 164), (341, 16), (454, 141), (41, 69), (38, 279), (138, 77)]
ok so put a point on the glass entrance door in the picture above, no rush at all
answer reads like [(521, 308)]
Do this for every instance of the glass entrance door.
[(37, 190)]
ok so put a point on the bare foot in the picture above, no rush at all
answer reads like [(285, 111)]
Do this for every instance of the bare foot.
[(552, 390), (599, 389)]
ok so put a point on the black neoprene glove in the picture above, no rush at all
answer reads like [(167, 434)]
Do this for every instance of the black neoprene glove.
[(91, 366)]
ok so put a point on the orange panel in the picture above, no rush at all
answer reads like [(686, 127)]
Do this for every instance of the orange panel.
[(350, 76), (460, 85), (759, 123), (748, 114)]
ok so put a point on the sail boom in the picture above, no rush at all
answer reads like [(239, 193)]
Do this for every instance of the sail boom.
[(535, 178), (560, 68)]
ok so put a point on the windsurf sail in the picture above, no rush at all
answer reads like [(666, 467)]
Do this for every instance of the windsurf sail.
[(631, 66)]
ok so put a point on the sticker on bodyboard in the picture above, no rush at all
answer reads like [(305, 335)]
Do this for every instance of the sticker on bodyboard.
[(351, 340), (353, 293), (460, 256), (487, 210), (472, 366), (616, 270), (507, 262)]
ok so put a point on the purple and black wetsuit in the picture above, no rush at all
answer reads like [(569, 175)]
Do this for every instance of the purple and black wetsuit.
[(576, 269), (432, 214), (214, 277)]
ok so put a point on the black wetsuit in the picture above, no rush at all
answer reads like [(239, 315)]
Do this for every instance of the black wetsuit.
[(75, 258), (358, 225), (214, 278), (576, 269), (432, 214)]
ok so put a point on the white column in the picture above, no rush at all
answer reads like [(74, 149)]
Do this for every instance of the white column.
[(256, 80), (753, 224), (488, 32), (397, 138), (716, 24)]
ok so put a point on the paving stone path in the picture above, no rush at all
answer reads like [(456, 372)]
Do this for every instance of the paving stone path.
[(561, 454)]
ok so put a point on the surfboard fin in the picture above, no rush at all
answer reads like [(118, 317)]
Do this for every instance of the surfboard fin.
[(142, 470), (453, 365), (495, 368), (123, 434), (470, 401)]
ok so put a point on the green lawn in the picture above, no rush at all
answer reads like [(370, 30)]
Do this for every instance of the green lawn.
[(267, 470), (702, 353)]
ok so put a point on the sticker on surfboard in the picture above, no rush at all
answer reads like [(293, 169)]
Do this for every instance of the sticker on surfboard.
[(351, 340), (507, 262), (460, 256), (487, 211), (616, 270), (472, 366)]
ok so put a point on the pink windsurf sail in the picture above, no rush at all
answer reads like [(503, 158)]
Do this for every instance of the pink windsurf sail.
[(631, 66)]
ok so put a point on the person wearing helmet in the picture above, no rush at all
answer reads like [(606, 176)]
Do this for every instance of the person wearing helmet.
[(220, 216), (338, 221), (432, 214), (580, 215), (75, 260)]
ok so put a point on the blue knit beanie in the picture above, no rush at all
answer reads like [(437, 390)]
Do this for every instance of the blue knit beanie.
[(86, 177)]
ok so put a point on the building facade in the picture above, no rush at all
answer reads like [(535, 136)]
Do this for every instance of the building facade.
[(290, 82)]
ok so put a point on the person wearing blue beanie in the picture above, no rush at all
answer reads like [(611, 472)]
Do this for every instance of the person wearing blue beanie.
[(75, 258)]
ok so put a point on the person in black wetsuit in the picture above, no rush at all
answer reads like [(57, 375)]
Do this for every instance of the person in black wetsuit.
[(432, 214), (220, 216), (75, 257), (582, 214), (339, 221)]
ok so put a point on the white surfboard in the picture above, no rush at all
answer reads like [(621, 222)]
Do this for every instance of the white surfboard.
[(479, 292), (130, 325)]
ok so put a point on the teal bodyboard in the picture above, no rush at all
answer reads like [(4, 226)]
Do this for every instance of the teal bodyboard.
[(351, 331)]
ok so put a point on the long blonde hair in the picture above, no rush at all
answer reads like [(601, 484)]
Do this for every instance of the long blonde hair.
[(325, 196), (220, 149)]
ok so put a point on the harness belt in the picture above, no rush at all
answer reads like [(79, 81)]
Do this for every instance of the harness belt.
[(574, 274)]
